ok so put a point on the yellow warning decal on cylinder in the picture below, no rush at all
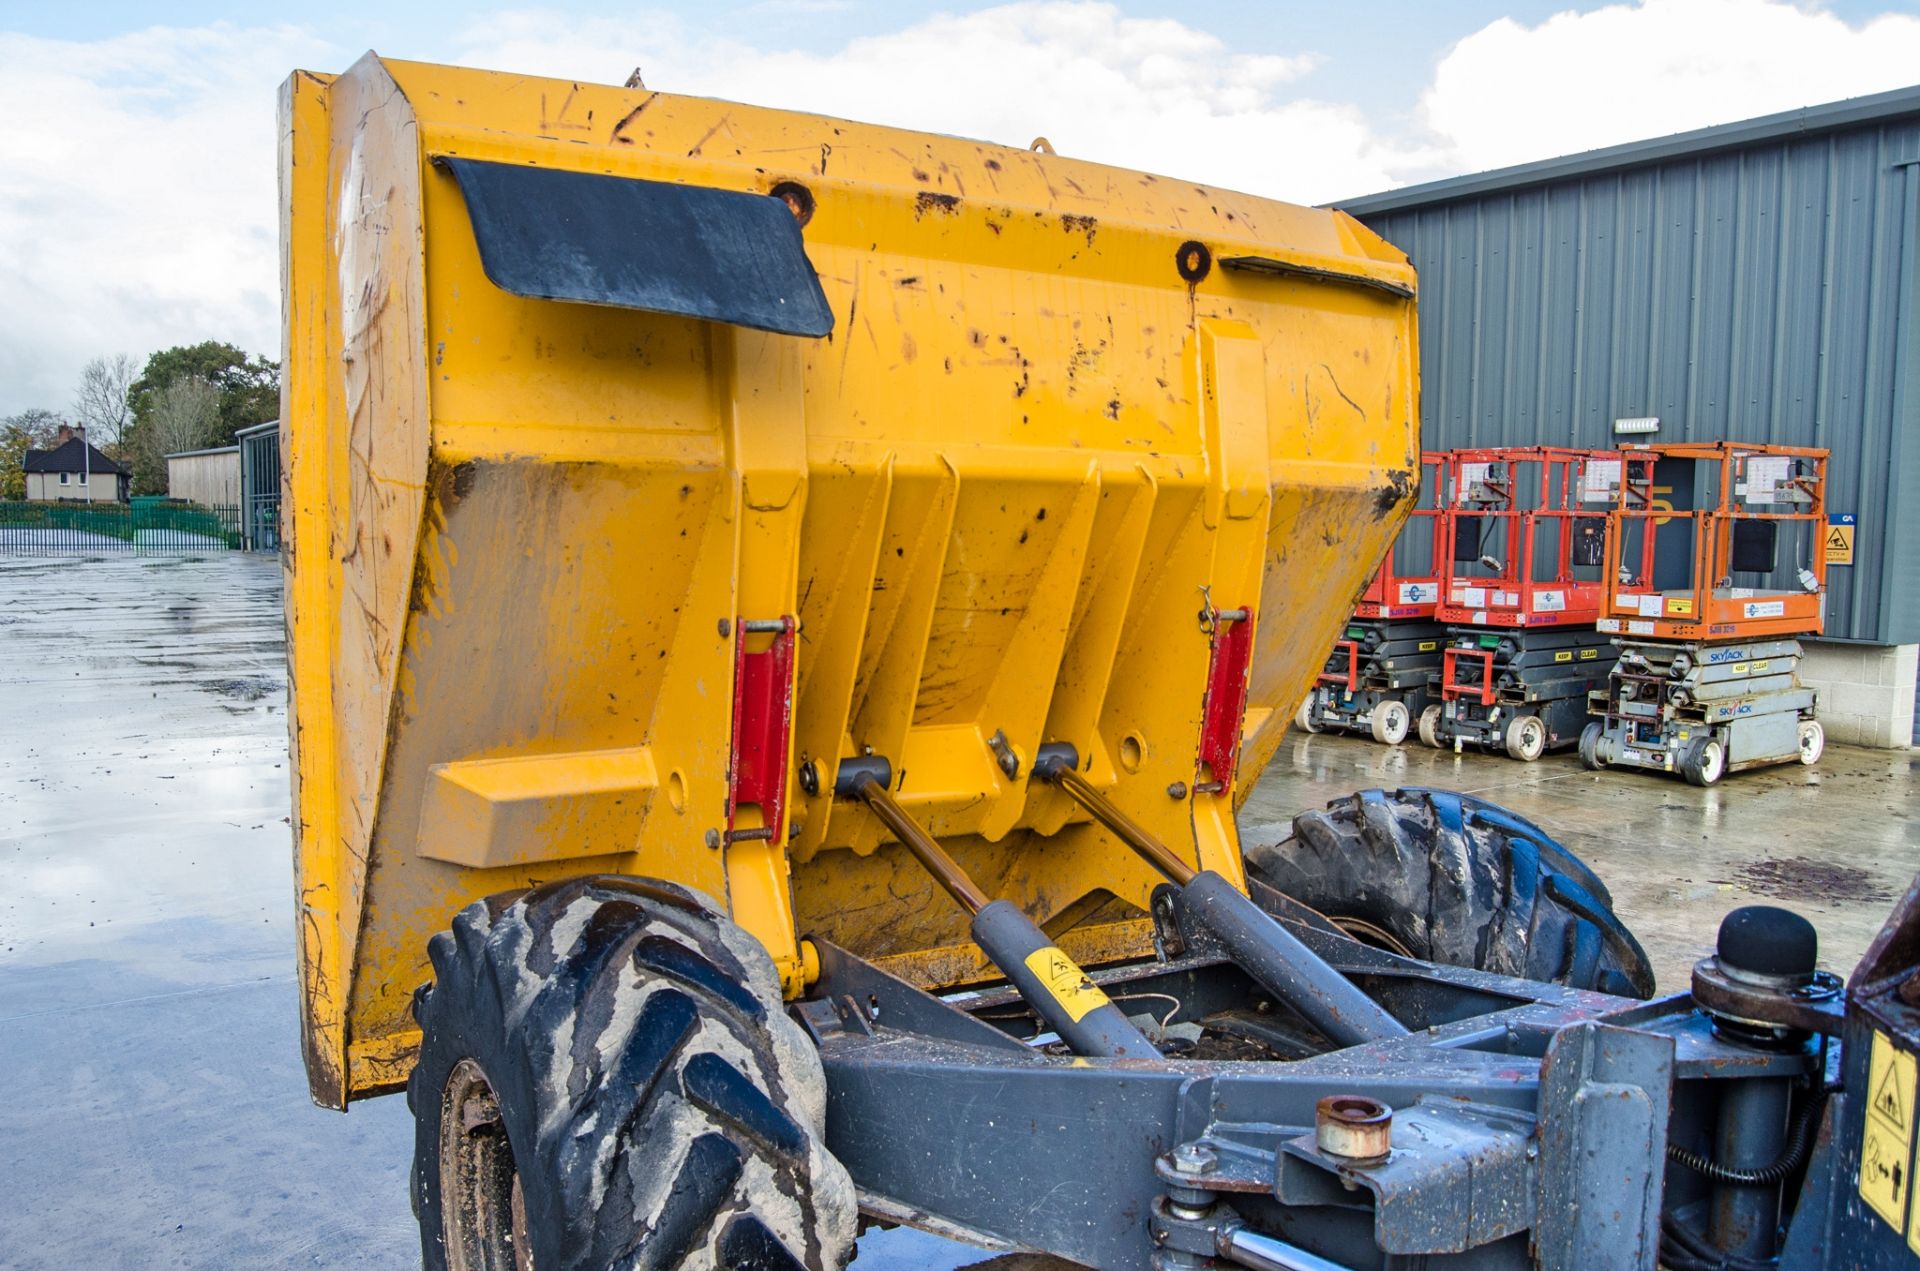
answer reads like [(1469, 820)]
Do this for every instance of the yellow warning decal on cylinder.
[(1563, 655), (1886, 1144), (1428, 646), (1066, 981)]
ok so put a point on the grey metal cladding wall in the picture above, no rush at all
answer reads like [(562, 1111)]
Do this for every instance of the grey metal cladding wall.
[(1760, 294)]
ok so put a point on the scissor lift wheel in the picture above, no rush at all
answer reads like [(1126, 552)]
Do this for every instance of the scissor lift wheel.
[(1430, 725), (1526, 737), (1303, 718), (1704, 761), (1390, 722), (1813, 741), (607, 1078)]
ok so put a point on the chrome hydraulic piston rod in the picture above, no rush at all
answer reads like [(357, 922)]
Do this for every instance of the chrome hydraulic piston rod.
[(1051, 983), (1257, 942)]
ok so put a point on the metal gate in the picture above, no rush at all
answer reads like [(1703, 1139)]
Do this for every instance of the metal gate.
[(260, 486)]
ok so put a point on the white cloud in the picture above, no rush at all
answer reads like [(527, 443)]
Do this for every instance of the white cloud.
[(137, 172), (138, 206), (1149, 93), (1511, 93)]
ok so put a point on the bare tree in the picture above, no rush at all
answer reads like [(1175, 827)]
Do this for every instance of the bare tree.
[(100, 404), (184, 415)]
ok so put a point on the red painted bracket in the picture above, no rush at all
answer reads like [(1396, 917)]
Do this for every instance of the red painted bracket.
[(1452, 689), (1225, 707), (762, 729), (1349, 680)]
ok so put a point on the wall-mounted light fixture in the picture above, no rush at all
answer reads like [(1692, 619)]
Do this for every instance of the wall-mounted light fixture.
[(1644, 424)]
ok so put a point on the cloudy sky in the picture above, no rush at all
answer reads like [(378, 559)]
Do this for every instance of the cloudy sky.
[(137, 199)]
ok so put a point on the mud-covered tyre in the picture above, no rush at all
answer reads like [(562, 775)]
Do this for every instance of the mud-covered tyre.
[(1460, 881), (607, 1078)]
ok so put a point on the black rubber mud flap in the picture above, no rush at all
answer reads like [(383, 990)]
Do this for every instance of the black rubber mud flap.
[(722, 255), (1457, 880), (661, 1108)]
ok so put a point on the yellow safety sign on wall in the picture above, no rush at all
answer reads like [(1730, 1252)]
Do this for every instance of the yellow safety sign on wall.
[(1840, 527), (1886, 1145)]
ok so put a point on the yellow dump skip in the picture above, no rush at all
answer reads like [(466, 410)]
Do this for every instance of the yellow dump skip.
[(544, 511)]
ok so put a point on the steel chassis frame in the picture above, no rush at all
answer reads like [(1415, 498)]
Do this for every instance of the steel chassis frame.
[(1514, 1101)]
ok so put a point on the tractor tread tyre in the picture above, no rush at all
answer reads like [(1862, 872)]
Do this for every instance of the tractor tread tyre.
[(1458, 881), (661, 1108)]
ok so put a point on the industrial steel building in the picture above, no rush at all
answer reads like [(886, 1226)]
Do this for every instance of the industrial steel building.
[(1757, 281)]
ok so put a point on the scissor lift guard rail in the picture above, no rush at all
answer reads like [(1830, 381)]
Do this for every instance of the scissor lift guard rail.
[(720, 540)]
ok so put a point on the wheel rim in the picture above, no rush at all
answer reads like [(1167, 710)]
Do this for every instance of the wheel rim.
[(1533, 737), (1712, 760), (1813, 740), (483, 1209), (1395, 721)]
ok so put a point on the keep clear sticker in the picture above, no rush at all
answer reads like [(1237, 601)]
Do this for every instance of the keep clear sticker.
[(1886, 1144), (1066, 981)]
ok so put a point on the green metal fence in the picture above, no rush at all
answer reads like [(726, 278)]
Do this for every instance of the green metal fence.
[(148, 525)]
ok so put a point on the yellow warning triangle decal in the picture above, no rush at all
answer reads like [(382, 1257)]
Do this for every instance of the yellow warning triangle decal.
[(1889, 1100)]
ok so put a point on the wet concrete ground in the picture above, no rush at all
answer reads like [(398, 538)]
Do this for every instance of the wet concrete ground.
[(156, 1112)]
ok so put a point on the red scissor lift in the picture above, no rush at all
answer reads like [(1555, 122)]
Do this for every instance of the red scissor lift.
[(1715, 567), (1527, 530), (1380, 674)]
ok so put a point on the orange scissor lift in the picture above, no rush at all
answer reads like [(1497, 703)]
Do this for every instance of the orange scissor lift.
[(1715, 567), (1527, 529), (1379, 676)]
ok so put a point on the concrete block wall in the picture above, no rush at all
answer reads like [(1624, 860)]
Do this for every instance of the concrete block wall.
[(1866, 690)]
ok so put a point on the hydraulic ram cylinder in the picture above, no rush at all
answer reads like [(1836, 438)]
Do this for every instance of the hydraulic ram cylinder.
[(1051, 982), (1256, 941)]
